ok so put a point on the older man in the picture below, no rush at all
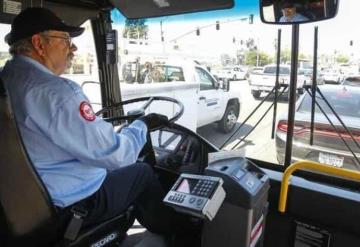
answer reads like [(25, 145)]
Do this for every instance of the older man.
[(79, 157), (290, 14)]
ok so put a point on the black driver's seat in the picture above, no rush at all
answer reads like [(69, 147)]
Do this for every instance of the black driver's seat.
[(27, 213)]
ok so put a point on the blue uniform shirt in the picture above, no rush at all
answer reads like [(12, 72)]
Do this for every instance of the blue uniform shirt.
[(70, 148), (296, 18)]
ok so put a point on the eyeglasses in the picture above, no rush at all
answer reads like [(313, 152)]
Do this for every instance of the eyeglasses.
[(68, 39)]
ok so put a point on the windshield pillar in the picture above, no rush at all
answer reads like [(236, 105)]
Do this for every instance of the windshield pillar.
[(108, 73)]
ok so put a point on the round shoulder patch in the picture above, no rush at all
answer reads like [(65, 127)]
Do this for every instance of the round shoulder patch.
[(86, 111)]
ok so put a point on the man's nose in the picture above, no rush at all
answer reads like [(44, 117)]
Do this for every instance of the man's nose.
[(73, 47)]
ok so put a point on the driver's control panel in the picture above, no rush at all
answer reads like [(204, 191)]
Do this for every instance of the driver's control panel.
[(197, 195)]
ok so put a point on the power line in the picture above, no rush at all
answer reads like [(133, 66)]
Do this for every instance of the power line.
[(217, 24)]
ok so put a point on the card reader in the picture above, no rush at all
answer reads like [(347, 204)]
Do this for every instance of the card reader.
[(197, 195)]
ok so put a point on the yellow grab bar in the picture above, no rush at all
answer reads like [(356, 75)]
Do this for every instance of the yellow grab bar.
[(346, 173)]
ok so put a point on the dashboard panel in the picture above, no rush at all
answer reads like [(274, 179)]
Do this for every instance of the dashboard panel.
[(177, 152)]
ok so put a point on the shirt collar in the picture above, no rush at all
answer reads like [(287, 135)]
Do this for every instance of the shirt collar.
[(34, 62)]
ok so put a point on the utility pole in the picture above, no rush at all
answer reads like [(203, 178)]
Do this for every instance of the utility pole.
[(257, 52), (161, 32), (162, 36)]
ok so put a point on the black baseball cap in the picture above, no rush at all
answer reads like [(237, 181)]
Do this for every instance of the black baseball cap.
[(36, 20), (287, 5)]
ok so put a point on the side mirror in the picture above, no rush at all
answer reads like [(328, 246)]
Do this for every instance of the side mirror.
[(226, 85), (297, 11)]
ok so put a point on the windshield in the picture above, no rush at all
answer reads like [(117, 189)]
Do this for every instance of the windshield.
[(330, 71), (183, 57), (272, 70)]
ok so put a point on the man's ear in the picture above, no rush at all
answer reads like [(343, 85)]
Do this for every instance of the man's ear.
[(38, 44)]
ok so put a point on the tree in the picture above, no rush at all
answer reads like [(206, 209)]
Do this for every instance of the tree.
[(285, 55), (4, 56), (136, 29), (303, 56), (251, 58), (250, 44), (342, 59)]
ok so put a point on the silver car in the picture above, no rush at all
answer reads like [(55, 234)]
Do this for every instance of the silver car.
[(307, 75), (351, 81), (332, 76), (328, 147)]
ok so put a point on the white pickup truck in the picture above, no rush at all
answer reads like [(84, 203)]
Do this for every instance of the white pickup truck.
[(205, 99), (265, 81)]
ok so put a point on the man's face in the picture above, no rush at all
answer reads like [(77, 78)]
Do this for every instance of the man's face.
[(58, 51), (289, 11)]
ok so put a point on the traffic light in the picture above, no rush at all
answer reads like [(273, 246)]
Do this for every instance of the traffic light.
[(251, 19), (198, 31), (217, 25), (351, 43), (234, 39)]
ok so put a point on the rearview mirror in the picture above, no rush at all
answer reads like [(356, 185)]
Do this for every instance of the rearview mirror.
[(297, 11), (134, 9)]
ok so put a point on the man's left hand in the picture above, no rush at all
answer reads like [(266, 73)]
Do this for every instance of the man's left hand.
[(154, 120)]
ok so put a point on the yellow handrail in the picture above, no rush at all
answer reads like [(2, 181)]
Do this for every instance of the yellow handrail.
[(346, 173)]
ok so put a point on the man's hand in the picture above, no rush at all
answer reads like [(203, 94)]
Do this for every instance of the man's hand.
[(154, 120)]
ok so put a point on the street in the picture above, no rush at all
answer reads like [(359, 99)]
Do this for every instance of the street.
[(258, 144)]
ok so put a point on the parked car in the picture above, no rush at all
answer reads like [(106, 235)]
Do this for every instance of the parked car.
[(307, 75), (348, 70), (351, 81), (257, 70), (231, 73), (254, 71), (332, 76), (328, 147)]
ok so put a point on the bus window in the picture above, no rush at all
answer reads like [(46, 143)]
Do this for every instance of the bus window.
[(4, 53), (84, 67), (163, 56)]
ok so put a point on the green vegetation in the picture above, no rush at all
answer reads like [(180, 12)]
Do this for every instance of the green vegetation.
[(136, 29), (255, 58), (342, 59), (4, 56)]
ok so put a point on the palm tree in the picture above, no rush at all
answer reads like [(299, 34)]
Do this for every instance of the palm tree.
[(136, 29)]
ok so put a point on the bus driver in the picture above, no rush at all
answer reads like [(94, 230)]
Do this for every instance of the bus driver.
[(290, 14), (78, 156)]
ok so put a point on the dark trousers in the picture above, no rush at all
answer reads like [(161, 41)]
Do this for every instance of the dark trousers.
[(135, 185)]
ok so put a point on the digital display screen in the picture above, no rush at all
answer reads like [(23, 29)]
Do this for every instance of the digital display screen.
[(186, 185)]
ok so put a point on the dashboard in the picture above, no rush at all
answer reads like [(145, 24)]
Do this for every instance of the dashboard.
[(178, 152)]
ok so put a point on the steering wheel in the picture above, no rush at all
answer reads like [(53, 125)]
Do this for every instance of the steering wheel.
[(147, 152), (133, 114)]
